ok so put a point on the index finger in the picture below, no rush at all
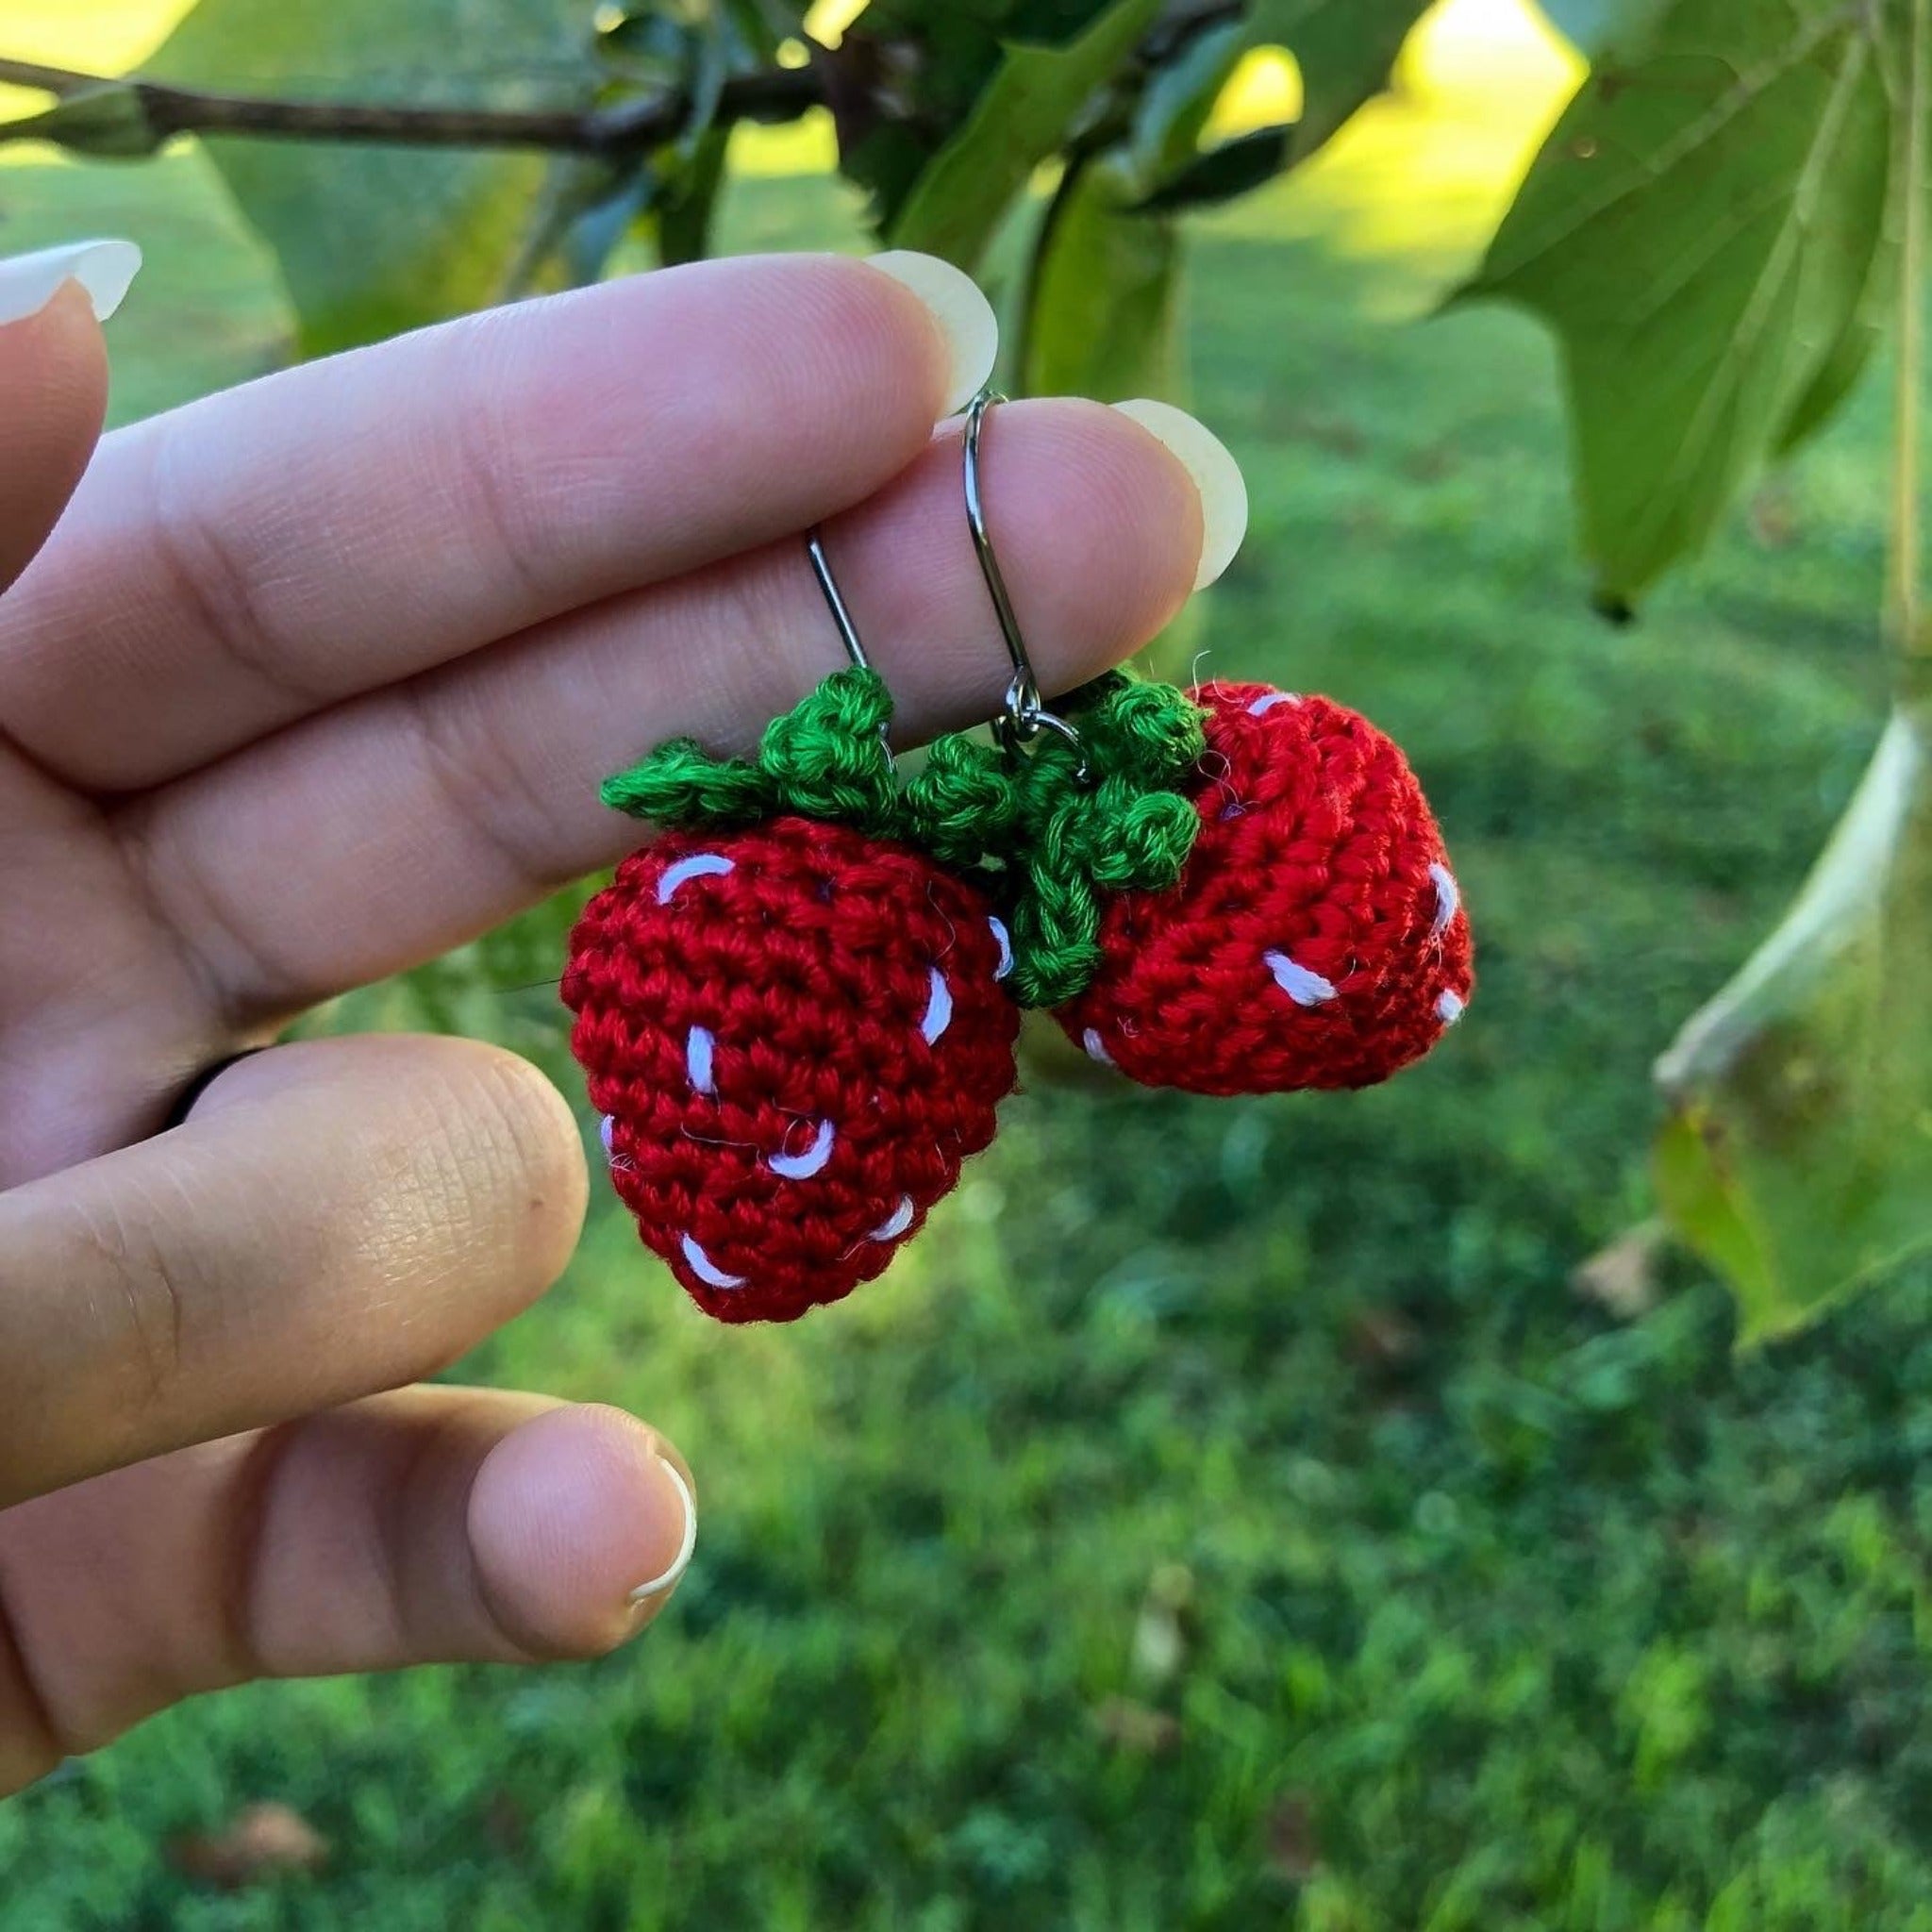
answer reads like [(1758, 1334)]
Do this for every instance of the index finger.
[(336, 528)]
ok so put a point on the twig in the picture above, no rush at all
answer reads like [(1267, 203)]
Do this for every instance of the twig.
[(629, 127)]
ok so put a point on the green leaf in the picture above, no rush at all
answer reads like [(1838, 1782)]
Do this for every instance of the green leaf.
[(908, 74), (1347, 51), (1221, 174), (1851, 355), (370, 239), (1179, 97), (685, 208), (567, 220), (1797, 1157), (1037, 23), (1103, 300), (592, 237), (1025, 116), (1702, 230), (106, 123)]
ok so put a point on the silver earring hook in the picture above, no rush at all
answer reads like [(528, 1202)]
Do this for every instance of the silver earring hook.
[(1025, 717), (835, 603), (841, 615)]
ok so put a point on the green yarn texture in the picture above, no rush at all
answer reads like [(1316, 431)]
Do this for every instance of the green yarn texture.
[(1046, 842)]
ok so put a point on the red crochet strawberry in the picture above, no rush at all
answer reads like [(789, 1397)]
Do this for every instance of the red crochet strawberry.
[(1316, 937), (796, 1034)]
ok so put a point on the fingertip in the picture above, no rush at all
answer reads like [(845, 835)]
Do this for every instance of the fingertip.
[(52, 401), (837, 366), (956, 307), (1102, 530), (581, 1521), (1220, 489), (102, 270), (543, 1130)]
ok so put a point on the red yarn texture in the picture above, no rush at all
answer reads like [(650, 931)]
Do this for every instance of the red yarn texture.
[(753, 1011), (1309, 943)]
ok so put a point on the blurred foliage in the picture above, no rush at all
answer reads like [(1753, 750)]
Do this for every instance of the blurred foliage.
[(1700, 229), (1227, 1516), (1020, 118), (1722, 229), (372, 241), (1798, 1158), (944, 114)]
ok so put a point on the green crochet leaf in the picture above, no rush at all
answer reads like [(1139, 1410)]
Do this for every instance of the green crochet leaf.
[(1048, 842), (828, 756), (680, 787), (1055, 843)]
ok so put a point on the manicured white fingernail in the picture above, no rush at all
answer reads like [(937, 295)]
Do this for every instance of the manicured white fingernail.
[(103, 269), (964, 316), (1218, 478), (681, 1563)]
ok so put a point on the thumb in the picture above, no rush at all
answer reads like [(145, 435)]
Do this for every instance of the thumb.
[(53, 382)]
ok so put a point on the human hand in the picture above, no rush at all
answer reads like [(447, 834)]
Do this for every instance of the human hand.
[(312, 681)]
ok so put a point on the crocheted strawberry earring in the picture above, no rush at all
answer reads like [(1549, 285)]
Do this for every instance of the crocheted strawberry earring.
[(796, 1009)]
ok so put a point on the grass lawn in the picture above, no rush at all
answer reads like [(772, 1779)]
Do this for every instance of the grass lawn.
[(1228, 1516)]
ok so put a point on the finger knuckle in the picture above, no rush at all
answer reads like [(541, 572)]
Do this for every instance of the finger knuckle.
[(517, 1159)]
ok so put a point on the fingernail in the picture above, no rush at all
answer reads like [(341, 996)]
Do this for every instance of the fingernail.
[(658, 1586), (103, 269), (963, 315), (1218, 480)]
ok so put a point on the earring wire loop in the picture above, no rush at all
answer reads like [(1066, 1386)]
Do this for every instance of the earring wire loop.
[(1024, 717)]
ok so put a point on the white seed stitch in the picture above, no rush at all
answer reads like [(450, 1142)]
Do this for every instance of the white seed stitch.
[(700, 865), (801, 1167), (1096, 1047), (706, 1269), (895, 1223), (939, 1008), (1447, 899), (1305, 988), (1451, 1008), (605, 1129), (1264, 705), (698, 1044), (1004, 940)]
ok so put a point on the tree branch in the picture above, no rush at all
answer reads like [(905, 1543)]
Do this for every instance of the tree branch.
[(630, 127)]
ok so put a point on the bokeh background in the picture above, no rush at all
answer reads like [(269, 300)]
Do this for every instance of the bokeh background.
[(1231, 1514)]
